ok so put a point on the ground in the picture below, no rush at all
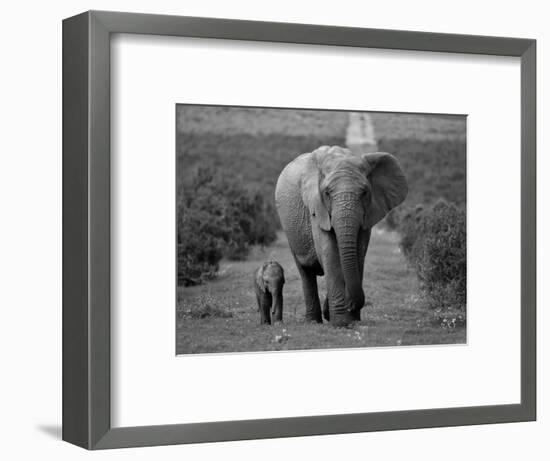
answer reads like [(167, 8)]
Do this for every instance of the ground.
[(221, 315)]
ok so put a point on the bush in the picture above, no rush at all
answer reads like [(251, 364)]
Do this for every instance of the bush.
[(434, 242), (199, 250), (217, 217), (205, 306), (409, 222)]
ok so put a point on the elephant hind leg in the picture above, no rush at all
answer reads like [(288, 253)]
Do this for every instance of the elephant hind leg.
[(311, 294)]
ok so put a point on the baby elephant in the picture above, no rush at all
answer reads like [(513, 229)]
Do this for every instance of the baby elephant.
[(268, 285)]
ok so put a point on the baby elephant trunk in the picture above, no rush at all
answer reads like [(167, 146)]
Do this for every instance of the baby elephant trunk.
[(277, 311)]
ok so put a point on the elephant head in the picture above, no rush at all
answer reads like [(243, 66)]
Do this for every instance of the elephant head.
[(269, 280), (347, 194)]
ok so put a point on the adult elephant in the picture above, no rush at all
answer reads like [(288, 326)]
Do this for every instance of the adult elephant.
[(328, 200)]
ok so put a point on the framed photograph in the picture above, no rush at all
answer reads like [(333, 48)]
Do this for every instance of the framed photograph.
[(276, 230)]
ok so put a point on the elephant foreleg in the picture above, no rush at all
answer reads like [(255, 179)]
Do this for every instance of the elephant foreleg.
[(265, 300), (356, 315), (335, 304), (311, 295), (361, 252), (326, 310)]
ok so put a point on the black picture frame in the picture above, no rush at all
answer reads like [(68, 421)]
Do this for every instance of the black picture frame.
[(86, 229)]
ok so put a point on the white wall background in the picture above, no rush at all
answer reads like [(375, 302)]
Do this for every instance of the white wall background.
[(30, 240)]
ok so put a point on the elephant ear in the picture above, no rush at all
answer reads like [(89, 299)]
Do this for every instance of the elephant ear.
[(311, 196), (260, 279), (388, 183)]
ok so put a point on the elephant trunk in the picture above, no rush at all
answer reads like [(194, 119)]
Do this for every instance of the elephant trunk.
[(347, 222)]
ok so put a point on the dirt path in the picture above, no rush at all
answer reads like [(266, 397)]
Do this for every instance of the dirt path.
[(360, 135)]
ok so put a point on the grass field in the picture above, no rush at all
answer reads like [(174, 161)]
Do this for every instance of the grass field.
[(221, 316)]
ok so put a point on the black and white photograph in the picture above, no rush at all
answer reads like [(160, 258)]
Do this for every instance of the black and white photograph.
[(226, 215), (307, 229)]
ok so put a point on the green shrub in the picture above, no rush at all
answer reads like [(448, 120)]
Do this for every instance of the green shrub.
[(434, 242), (217, 217)]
